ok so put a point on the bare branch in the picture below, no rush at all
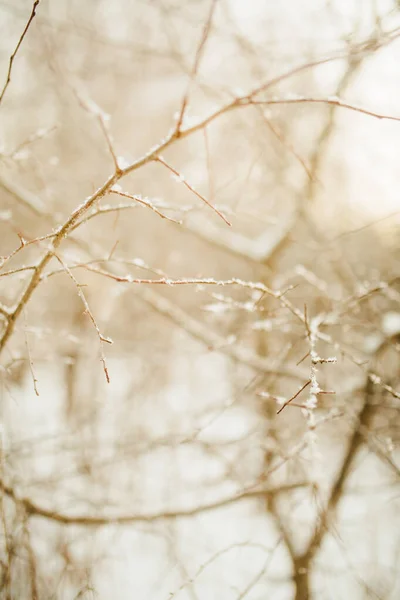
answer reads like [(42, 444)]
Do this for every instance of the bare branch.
[(35, 509), (182, 179), (144, 202), (24, 197), (294, 396), (13, 55), (91, 107), (35, 381), (199, 53), (81, 295), (330, 101)]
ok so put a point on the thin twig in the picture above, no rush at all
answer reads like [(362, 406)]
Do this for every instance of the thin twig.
[(329, 101), (94, 109), (294, 396), (279, 135), (35, 381), (199, 53), (82, 296), (13, 55), (144, 202), (191, 188), (209, 167)]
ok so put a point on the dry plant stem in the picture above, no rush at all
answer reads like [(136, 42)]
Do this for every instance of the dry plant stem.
[(17, 47), (293, 397), (199, 54)]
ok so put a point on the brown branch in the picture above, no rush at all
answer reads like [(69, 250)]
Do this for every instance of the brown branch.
[(13, 55), (293, 397), (144, 202), (23, 243), (359, 434), (102, 210), (34, 509), (35, 381), (261, 573), (61, 233), (91, 107), (82, 296), (198, 56), (191, 188), (330, 101)]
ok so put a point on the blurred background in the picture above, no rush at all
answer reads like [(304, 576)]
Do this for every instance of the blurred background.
[(182, 477)]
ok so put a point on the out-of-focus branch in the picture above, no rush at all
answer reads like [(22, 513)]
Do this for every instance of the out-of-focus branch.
[(34, 509), (360, 433), (23, 196), (199, 53), (213, 340), (330, 101), (102, 338)]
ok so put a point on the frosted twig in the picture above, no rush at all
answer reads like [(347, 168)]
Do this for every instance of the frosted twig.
[(144, 202)]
